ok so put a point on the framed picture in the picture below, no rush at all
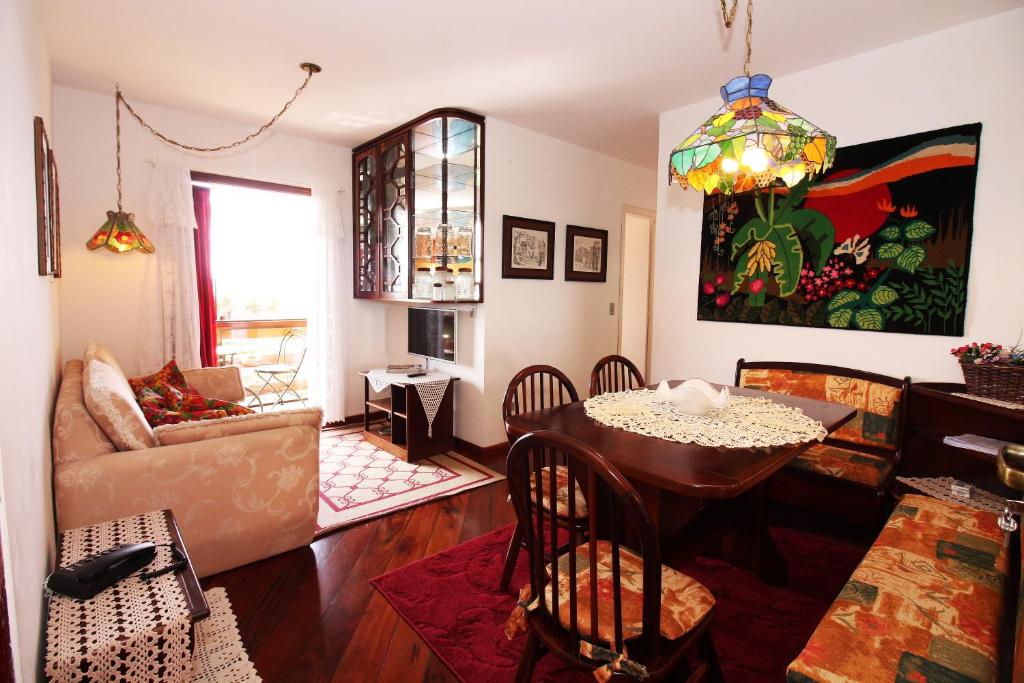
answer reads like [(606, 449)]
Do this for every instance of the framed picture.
[(586, 254), (528, 248), (47, 203)]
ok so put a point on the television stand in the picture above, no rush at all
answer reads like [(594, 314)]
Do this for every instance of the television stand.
[(409, 438)]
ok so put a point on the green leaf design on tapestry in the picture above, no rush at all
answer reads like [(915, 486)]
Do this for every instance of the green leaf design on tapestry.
[(890, 232), (739, 274), (789, 257), (918, 230), (818, 233), (911, 258), (840, 318), (883, 296), (747, 233), (890, 250), (842, 299), (869, 319)]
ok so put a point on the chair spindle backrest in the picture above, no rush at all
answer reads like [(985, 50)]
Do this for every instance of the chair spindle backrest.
[(616, 514), (615, 373), (535, 388)]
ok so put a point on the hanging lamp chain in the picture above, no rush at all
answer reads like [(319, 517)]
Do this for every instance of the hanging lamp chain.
[(308, 67), (729, 16), (117, 137)]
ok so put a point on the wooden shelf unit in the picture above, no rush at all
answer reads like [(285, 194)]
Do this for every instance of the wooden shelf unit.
[(409, 438)]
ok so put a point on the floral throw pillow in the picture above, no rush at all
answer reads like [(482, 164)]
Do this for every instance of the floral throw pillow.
[(167, 398)]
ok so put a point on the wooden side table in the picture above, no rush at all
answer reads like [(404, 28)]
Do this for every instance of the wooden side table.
[(135, 630), (410, 438)]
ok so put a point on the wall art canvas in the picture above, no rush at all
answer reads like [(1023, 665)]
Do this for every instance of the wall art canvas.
[(528, 248), (586, 254), (47, 203), (882, 242)]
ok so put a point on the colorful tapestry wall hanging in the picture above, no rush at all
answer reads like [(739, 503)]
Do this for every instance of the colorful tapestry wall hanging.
[(882, 242)]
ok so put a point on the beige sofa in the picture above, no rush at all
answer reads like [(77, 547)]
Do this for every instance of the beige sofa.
[(242, 488)]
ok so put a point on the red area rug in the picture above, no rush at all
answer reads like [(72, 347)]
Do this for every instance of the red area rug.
[(451, 600)]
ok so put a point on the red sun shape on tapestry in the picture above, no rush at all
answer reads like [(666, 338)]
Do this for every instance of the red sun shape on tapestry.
[(856, 213)]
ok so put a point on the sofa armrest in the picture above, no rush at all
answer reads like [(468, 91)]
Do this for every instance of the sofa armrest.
[(237, 499), (224, 383), (201, 430)]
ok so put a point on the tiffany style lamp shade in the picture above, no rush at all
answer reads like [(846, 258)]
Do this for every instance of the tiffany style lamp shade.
[(120, 234), (750, 142)]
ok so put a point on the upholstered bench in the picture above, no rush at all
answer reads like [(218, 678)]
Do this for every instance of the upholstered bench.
[(926, 603), (851, 472)]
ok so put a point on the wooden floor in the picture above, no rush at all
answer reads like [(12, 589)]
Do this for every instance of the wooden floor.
[(312, 615)]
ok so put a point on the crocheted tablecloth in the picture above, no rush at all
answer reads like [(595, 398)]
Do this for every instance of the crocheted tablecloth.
[(133, 631), (430, 387), (745, 422)]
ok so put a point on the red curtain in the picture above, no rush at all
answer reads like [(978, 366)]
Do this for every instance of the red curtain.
[(204, 278)]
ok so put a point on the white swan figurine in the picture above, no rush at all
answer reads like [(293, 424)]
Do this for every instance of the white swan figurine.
[(694, 396)]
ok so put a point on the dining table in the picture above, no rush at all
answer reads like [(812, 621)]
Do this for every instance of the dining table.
[(699, 497)]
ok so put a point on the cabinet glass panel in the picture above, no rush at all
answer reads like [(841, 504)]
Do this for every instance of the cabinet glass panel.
[(394, 219), (429, 157), (367, 221), (462, 191)]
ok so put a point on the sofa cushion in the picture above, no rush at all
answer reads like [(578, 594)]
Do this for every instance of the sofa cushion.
[(926, 602), (166, 398), (187, 432), (112, 404), (94, 351), (75, 433), (842, 463), (877, 404)]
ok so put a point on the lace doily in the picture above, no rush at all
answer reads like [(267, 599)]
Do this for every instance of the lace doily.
[(745, 423), (220, 656), (133, 631), (430, 387)]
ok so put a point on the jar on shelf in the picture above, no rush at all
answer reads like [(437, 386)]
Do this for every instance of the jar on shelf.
[(422, 283), (439, 275), (437, 292), (465, 285), (448, 287)]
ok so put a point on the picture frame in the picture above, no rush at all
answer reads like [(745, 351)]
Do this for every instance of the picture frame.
[(528, 248), (586, 254), (47, 203)]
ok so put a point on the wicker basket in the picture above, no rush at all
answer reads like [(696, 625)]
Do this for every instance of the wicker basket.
[(993, 380)]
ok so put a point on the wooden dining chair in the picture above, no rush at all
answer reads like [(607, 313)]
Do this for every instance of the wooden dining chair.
[(615, 373), (534, 388), (657, 614)]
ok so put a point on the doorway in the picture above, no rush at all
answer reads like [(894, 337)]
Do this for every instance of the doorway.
[(635, 286)]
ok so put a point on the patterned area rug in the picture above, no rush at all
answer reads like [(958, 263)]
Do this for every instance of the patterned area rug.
[(452, 601), (359, 481)]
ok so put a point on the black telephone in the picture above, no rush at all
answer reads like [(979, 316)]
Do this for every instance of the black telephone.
[(87, 577)]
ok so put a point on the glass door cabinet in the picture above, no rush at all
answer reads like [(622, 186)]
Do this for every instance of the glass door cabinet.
[(418, 207)]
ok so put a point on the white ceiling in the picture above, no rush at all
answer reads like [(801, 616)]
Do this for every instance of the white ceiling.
[(594, 72)]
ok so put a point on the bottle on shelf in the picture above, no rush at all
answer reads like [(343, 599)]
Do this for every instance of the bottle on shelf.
[(465, 285), (421, 284), (438, 293)]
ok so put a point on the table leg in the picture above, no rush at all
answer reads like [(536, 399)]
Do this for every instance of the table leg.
[(752, 544), (366, 404)]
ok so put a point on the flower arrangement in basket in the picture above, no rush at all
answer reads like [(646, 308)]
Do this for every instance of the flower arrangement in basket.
[(992, 371)]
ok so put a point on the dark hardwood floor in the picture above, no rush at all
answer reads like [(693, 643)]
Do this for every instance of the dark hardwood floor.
[(312, 615)]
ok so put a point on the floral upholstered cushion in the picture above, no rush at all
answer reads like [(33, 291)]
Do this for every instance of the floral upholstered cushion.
[(684, 600), (109, 400), (841, 463), (561, 493), (925, 604), (166, 398), (877, 404)]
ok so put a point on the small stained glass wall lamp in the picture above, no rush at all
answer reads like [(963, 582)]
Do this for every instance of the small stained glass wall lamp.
[(751, 141)]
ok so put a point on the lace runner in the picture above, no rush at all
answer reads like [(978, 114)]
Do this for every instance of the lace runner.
[(430, 387), (745, 423), (992, 401), (120, 633), (941, 488)]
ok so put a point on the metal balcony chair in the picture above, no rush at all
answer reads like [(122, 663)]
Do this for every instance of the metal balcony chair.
[(279, 377)]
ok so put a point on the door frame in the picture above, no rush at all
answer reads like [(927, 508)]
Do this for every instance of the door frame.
[(653, 216)]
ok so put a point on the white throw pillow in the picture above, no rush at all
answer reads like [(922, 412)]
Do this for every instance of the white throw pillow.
[(111, 402)]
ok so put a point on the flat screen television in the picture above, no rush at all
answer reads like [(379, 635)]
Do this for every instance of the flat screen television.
[(432, 333)]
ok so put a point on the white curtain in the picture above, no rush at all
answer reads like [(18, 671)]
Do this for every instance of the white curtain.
[(170, 314), (327, 322)]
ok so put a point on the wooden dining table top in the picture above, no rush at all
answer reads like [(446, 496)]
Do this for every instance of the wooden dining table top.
[(684, 468)]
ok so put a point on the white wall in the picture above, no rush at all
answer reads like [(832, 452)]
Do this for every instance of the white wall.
[(29, 345), (961, 75), (522, 322), (636, 267), (95, 281)]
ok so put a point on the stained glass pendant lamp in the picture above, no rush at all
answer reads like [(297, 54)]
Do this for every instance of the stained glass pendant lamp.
[(120, 234), (752, 141)]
